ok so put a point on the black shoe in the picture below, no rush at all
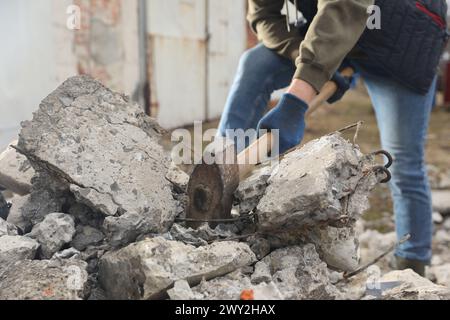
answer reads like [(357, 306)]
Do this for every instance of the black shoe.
[(416, 265)]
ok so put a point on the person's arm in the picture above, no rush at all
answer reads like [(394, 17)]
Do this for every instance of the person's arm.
[(333, 33)]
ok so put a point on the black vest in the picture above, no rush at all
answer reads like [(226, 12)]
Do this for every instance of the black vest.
[(410, 42)]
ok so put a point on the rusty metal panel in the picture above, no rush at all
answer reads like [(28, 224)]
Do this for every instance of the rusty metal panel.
[(177, 32), (228, 37)]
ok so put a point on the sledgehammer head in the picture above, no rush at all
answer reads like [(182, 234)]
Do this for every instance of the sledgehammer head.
[(212, 184)]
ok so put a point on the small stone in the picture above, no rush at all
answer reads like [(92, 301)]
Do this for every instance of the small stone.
[(182, 291), (446, 224), (177, 177), (15, 171), (44, 280), (261, 273), (56, 230), (441, 201), (260, 246), (7, 228), (16, 248), (437, 218), (251, 189)]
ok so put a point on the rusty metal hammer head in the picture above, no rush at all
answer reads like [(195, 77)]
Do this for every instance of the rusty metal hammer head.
[(212, 184)]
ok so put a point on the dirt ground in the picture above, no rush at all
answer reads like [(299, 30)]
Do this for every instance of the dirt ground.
[(356, 106)]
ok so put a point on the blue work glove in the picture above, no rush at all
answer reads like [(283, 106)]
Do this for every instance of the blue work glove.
[(343, 84), (289, 117)]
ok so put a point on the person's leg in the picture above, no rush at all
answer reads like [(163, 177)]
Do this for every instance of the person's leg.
[(403, 117), (260, 72)]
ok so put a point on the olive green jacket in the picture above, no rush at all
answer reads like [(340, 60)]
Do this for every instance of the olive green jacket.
[(332, 35)]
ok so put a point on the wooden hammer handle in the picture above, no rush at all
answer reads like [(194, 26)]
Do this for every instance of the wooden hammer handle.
[(249, 157)]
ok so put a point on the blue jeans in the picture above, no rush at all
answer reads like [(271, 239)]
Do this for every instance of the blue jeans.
[(402, 117)]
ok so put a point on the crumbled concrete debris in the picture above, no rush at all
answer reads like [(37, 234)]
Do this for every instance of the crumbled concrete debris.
[(261, 274), (251, 190), (326, 180), (70, 253), (44, 280), (56, 230), (15, 171), (441, 201), (116, 166), (86, 236), (182, 291), (15, 248), (446, 224), (299, 273), (231, 286), (147, 269), (338, 247), (411, 286), (177, 177), (7, 228), (200, 236)]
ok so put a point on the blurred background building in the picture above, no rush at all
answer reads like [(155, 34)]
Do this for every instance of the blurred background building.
[(176, 58)]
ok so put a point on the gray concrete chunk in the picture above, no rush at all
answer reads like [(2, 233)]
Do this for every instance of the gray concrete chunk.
[(147, 269), (105, 149)]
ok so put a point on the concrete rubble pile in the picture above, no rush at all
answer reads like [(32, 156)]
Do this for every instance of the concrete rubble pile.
[(97, 217)]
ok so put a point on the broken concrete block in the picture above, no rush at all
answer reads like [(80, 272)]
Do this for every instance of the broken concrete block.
[(411, 286), (147, 269), (107, 151), (182, 291), (441, 201), (44, 280), (338, 247), (56, 230), (251, 190), (299, 273), (15, 248), (7, 229), (15, 171), (326, 180), (86, 236)]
